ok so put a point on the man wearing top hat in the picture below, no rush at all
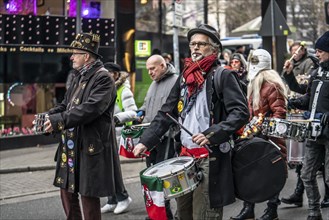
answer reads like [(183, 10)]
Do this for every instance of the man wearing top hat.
[(87, 150), (211, 119)]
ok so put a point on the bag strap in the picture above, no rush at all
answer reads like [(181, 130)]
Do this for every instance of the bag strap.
[(217, 80)]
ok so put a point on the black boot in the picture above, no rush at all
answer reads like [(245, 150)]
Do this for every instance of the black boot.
[(314, 217), (270, 214), (325, 202), (297, 197), (247, 212)]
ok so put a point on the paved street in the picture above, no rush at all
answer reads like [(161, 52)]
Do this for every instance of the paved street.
[(30, 194)]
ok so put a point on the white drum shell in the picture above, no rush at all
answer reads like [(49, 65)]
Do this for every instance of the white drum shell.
[(179, 176)]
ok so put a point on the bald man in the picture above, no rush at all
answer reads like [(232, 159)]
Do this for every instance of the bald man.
[(164, 77)]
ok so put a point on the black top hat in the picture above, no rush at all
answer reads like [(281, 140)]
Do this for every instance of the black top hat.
[(88, 42), (207, 30), (112, 67)]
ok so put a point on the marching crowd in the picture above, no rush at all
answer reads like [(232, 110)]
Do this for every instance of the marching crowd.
[(210, 103)]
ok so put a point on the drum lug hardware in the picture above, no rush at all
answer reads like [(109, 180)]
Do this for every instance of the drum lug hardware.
[(199, 175)]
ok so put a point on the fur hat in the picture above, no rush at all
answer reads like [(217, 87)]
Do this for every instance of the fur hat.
[(88, 42), (259, 60), (207, 30), (323, 42)]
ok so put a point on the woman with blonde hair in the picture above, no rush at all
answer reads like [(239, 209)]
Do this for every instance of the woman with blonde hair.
[(266, 94)]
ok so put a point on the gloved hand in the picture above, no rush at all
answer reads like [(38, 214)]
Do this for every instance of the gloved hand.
[(116, 120), (140, 117), (140, 113), (325, 119), (294, 104)]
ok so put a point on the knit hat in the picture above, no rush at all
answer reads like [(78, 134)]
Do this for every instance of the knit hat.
[(259, 60), (240, 57), (323, 42)]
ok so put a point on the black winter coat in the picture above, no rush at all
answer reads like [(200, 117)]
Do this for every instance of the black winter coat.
[(305, 102)]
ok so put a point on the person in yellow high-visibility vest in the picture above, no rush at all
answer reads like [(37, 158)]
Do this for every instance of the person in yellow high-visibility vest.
[(124, 113)]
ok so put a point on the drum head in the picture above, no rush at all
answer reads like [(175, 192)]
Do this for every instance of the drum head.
[(259, 169), (169, 167)]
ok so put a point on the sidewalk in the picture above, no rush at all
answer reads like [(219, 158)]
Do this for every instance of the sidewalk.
[(28, 173), (34, 158)]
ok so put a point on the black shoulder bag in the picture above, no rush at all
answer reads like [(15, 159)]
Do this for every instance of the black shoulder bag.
[(259, 169)]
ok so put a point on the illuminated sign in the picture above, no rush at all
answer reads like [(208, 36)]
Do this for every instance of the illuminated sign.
[(34, 49), (142, 48)]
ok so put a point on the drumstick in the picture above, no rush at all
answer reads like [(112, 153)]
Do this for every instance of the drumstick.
[(185, 129), (141, 125), (302, 44)]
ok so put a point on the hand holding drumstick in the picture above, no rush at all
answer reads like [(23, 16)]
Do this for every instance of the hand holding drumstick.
[(288, 65)]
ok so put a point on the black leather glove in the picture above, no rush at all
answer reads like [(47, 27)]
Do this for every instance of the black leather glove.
[(116, 120), (294, 104), (325, 119)]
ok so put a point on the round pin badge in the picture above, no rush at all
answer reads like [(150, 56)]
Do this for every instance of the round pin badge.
[(63, 138), (70, 162), (64, 158), (182, 92), (180, 106), (70, 144)]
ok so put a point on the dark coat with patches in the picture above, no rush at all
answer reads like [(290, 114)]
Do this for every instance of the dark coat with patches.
[(92, 120)]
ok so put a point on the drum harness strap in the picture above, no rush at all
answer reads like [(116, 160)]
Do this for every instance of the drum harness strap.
[(226, 146), (316, 96)]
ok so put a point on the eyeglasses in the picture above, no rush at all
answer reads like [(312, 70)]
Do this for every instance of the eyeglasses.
[(235, 61), (74, 54), (199, 44)]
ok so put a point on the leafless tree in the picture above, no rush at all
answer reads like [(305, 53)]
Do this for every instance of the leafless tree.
[(307, 19), (240, 12)]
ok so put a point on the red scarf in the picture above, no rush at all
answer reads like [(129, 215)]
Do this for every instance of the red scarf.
[(192, 72)]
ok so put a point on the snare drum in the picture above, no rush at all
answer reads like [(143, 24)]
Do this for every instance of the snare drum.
[(281, 128), (276, 127), (179, 176)]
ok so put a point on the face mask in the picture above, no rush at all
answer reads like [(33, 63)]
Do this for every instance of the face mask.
[(259, 60)]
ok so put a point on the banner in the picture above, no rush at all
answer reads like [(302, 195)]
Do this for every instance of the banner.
[(152, 188)]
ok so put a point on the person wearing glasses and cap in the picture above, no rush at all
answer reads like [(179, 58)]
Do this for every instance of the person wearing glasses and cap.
[(86, 154), (267, 95), (211, 120)]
